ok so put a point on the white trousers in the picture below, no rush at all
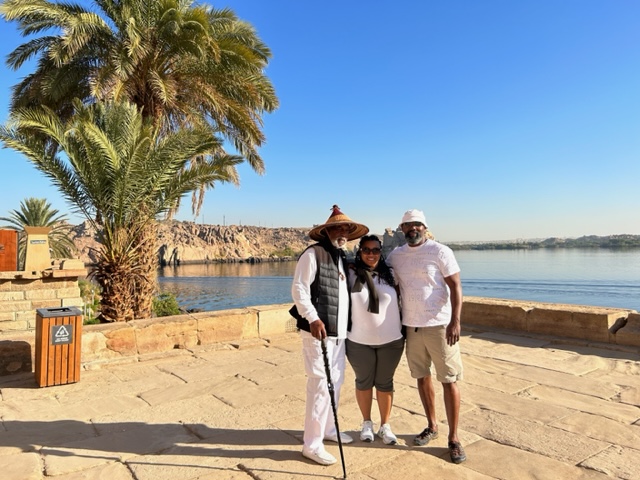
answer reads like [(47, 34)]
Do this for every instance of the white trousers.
[(318, 421)]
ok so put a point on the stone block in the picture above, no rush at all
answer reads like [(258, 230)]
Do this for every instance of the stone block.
[(161, 335), (13, 326), (72, 302), (50, 303), (15, 306), (11, 296), (27, 316), (23, 466), (107, 342), (616, 462), (227, 325), (531, 436), (41, 294), (71, 264), (7, 316), (630, 333), (15, 357), (549, 320), (573, 321), (274, 320), (595, 324), (19, 285), (68, 292), (495, 313), (122, 341)]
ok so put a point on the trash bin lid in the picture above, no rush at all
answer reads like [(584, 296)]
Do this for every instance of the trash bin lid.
[(58, 312)]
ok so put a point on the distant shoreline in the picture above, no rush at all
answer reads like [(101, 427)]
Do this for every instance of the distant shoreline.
[(587, 241)]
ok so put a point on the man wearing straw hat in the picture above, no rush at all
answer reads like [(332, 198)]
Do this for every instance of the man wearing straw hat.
[(429, 279), (321, 295)]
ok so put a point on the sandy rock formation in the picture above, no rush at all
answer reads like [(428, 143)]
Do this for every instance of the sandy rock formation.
[(188, 242)]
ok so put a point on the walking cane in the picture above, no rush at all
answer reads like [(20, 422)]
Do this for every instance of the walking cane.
[(327, 370)]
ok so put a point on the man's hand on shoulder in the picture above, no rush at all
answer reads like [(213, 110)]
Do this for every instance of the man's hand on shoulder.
[(317, 329)]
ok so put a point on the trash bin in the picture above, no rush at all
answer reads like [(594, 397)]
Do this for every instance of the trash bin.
[(58, 345)]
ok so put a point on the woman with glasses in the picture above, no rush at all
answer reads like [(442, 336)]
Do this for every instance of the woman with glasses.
[(375, 342)]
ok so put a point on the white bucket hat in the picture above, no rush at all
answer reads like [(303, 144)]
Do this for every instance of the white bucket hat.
[(414, 216)]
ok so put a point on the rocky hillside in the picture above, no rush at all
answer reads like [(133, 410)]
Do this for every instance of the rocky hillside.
[(188, 242)]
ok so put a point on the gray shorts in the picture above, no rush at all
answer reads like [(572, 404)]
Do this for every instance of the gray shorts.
[(428, 345), (375, 365)]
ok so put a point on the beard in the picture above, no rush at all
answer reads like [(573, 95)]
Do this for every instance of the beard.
[(339, 242), (414, 237)]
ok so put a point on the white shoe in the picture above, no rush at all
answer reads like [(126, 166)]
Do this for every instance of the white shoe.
[(343, 437), (321, 456), (387, 436), (366, 434)]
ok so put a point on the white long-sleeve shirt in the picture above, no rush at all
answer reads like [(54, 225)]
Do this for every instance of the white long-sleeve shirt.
[(303, 277)]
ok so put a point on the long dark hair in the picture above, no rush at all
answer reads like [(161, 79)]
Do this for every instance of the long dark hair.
[(382, 269)]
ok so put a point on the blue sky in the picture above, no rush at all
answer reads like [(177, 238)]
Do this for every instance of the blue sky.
[(500, 119)]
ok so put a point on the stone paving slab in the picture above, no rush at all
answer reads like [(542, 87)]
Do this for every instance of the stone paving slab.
[(584, 403), (502, 383), (531, 436), (532, 408), (21, 466), (487, 364), (130, 441), (617, 462), (517, 406), (600, 428), (630, 396), (30, 436), (565, 381), (108, 471), (504, 461)]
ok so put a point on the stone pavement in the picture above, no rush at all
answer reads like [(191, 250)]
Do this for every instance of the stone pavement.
[(532, 408)]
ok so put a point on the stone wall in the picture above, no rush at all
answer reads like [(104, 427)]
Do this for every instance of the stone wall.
[(132, 341), (22, 293), (591, 324)]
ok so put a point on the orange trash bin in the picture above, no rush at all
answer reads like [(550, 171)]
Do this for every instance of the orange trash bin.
[(58, 345)]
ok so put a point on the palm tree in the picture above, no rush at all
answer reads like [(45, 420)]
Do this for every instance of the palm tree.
[(37, 212), (121, 173), (180, 63)]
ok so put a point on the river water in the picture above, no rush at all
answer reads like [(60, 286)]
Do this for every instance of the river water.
[(597, 277)]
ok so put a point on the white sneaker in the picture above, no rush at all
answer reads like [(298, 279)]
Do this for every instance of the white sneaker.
[(321, 456), (343, 437), (387, 436), (366, 434)]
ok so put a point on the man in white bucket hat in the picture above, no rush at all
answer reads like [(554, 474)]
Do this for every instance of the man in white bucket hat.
[(429, 279), (320, 292)]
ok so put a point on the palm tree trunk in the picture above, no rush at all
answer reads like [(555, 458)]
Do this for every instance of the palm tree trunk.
[(146, 284), (115, 279)]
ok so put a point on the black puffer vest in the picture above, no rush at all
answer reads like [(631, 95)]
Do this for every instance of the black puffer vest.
[(325, 290)]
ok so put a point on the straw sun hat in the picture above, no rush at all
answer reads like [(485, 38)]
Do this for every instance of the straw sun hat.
[(357, 230)]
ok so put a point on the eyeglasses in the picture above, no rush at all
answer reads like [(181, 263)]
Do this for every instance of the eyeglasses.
[(412, 224), (367, 251)]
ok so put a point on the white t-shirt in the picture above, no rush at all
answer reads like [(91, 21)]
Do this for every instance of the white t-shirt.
[(374, 328), (420, 271)]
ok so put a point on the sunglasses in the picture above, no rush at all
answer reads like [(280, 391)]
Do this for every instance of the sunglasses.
[(367, 251)]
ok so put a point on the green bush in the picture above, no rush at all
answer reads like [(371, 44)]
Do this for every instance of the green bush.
[(165, 304), (286, 252), (90, 293)]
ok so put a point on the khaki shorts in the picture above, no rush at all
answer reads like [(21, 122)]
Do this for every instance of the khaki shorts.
[(428, 345)]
